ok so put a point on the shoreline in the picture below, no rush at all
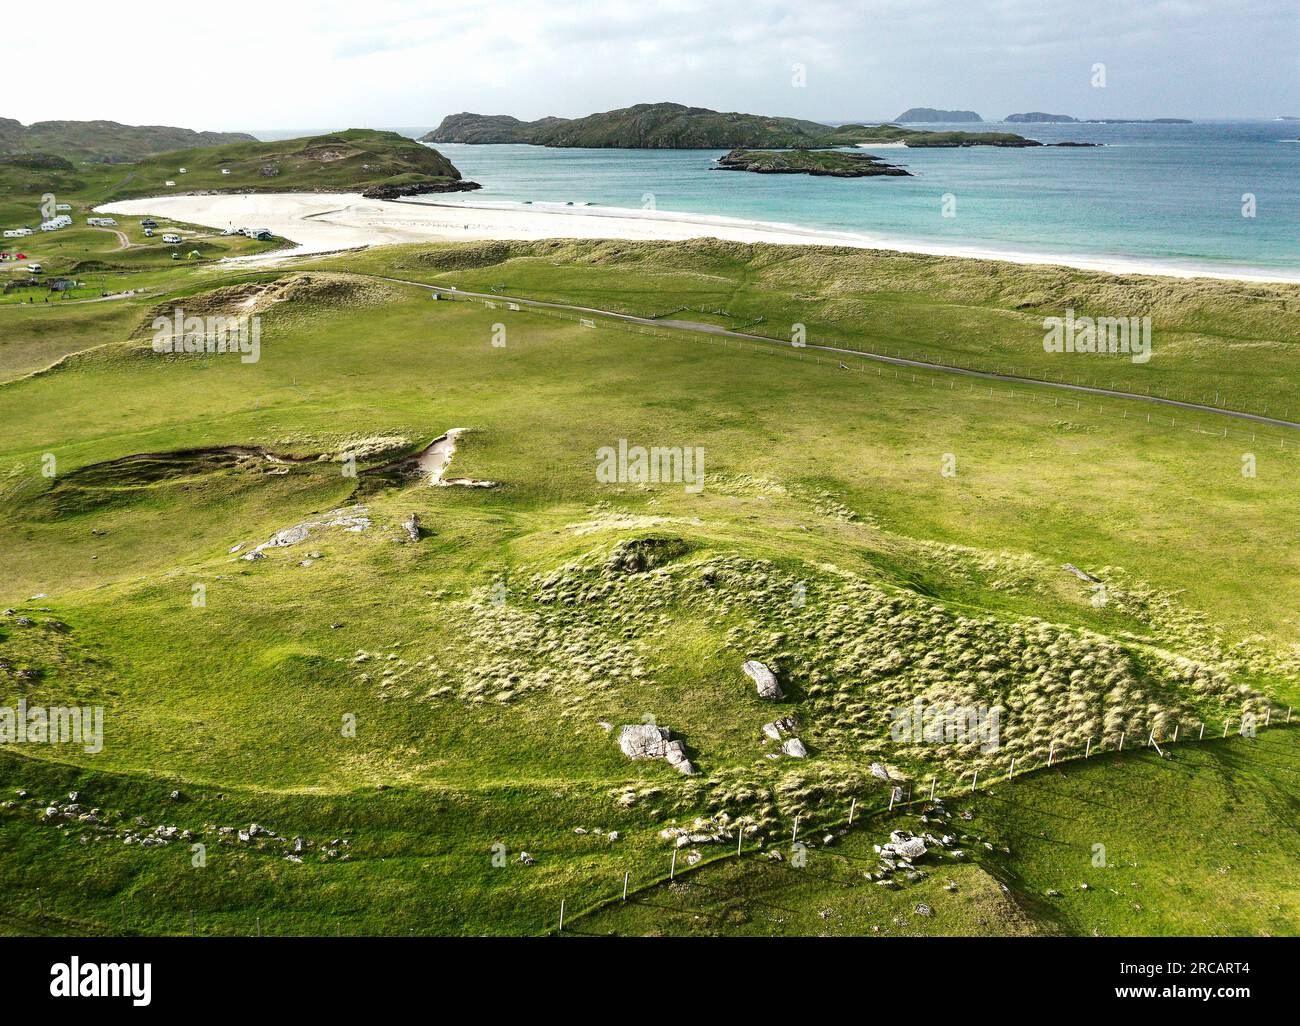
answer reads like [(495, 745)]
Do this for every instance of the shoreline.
[(321, 222)]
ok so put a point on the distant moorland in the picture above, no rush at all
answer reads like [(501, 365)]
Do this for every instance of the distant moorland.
[(105, 142)]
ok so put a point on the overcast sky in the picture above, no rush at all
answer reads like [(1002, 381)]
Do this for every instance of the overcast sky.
[(267, 64)]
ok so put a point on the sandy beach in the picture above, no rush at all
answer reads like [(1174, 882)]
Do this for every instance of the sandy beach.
[(328, 222)]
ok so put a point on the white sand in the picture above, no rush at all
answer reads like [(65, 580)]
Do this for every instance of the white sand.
[(325, 222)]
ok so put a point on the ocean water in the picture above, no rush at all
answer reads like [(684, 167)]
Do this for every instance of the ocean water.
[(1153, 194)]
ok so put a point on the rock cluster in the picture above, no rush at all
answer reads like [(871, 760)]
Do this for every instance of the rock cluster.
[(650, 741), (93, 824)]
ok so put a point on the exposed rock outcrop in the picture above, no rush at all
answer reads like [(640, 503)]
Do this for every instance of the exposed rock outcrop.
[(764, 679)]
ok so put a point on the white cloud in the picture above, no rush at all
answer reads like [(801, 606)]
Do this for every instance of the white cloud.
[(260, 64)]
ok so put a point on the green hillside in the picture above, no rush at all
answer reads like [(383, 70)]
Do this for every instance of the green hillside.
[(224, 561), (357, 160), (104, 260), (105, 142)]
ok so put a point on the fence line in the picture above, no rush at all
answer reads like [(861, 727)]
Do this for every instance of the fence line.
[(910, 800)]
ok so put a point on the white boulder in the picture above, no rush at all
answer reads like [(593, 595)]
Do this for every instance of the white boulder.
[(764, 679)]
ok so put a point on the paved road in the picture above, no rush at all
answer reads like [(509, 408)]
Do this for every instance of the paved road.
[(898, 361)]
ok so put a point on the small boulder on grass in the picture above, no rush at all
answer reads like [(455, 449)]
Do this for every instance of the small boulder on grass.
[(764, 679), (644, 741)]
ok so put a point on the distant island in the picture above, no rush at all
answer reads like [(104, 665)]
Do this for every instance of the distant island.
[(675, 126), (1038, 117), (932, 114), (104, 142), (819, 163)]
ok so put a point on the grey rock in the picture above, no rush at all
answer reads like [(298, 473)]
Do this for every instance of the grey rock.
[(764, 679), (289, 536), (644, 741), (795, 748), (411, 525)]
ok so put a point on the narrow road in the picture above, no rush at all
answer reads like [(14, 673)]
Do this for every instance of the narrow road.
[(122, 241), (713, 329), (898, 361)]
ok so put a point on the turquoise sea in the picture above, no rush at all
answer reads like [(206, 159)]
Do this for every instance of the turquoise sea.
[(1155, 194)]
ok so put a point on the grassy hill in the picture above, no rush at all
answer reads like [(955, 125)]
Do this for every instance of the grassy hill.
[(427, 699), (357, 160), (105, 142), (675, 126)]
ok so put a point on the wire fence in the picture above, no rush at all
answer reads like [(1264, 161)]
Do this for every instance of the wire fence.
[(939, 787)]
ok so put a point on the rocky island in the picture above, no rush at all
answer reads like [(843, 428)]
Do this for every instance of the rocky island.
[(932, 114), (678, 127), (1037, 117), (819, 163)]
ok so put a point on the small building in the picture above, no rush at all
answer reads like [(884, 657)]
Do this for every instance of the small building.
[(63, 284)]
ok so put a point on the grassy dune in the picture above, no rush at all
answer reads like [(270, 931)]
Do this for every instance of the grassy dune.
[(1237, 340)]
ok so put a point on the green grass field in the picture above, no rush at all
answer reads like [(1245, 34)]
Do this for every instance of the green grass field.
[(875, 535)]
